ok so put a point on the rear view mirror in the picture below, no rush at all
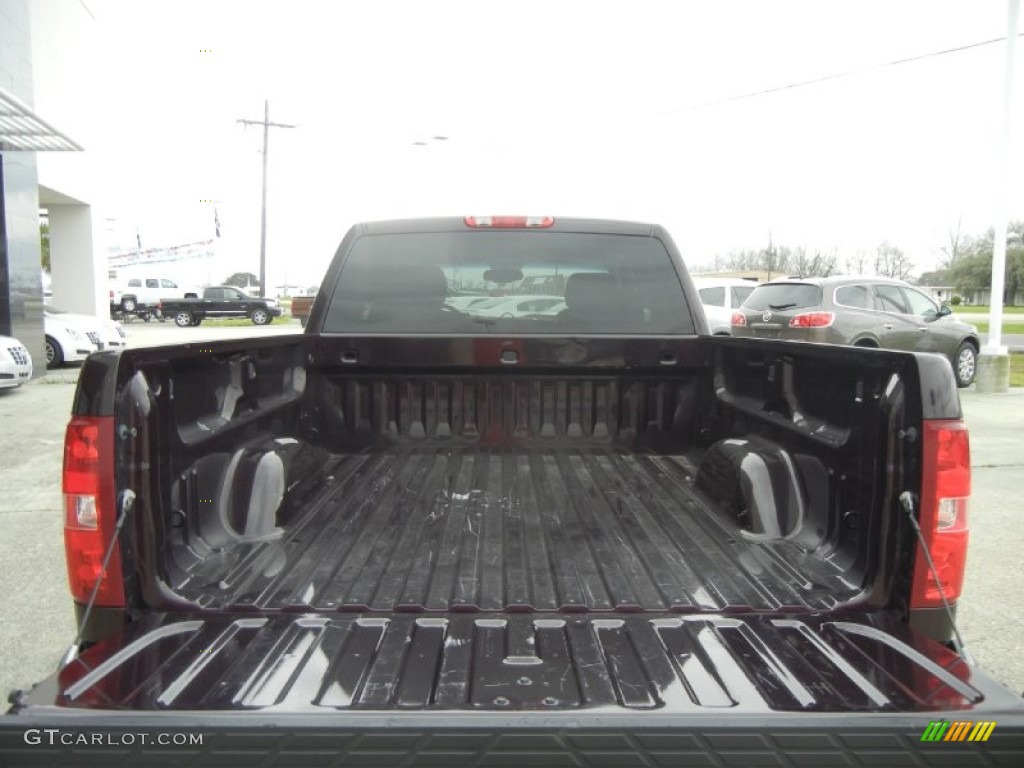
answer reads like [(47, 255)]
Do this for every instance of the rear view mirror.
[(503, 276), (944, 310)]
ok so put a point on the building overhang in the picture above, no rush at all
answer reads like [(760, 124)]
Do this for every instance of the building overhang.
[(22, 130)]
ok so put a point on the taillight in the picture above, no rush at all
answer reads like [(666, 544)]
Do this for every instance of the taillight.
[(90, 512), (509, 222), (945, 488), (813, 320), (738, 318)]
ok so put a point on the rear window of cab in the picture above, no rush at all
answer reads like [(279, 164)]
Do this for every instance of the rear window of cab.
[(781, 296), (413, 282)]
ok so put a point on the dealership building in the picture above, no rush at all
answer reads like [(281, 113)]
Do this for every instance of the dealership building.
[(45, 168)]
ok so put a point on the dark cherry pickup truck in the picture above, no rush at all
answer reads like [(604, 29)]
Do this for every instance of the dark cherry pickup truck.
[(596, 536)]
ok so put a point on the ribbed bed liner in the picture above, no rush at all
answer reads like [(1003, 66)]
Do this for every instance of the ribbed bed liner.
[(468, 529)]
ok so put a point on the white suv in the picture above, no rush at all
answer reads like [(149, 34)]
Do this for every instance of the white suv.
[(720, 296), (146, 292)]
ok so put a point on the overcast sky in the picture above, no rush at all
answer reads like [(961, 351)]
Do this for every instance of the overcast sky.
[(562, 108)]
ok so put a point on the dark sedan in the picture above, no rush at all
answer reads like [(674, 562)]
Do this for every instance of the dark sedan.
[(862, 311)]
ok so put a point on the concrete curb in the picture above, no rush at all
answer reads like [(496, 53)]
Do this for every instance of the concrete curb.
[(59, 376)]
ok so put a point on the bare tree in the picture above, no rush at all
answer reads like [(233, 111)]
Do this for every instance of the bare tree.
[(954, 247), (806, 264), (734, 261), (890, 261), (826, 264), (778, 260), (855, 265)]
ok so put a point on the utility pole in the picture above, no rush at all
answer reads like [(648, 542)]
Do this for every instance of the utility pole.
[(993, 372), (267, 125)]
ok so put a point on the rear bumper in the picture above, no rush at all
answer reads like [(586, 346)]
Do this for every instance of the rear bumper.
[(13, 374), (78, 353), (757, 330), (496, 740)]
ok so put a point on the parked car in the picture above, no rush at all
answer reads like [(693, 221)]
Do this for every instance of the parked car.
[(15, 363), (720, 296), (464, 303), (71, 337), (67, 341), (862, 311), (515, 306)]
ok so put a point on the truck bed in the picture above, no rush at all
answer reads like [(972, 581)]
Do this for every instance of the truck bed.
[(516, 690), (476, 529), (551, 662)]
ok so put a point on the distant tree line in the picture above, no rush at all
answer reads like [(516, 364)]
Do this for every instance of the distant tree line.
[(966, 262), (886, 260), (242, 280)]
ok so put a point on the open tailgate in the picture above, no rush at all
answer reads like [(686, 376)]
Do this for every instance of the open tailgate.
[(517, 689)]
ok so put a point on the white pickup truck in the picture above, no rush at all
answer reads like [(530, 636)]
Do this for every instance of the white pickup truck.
[(135, 292)]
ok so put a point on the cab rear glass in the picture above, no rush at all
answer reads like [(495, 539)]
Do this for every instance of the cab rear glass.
[(783, 296), (416, 283)]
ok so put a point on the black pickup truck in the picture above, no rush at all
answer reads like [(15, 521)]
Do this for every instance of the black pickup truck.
[(592, 538), (220, 301)]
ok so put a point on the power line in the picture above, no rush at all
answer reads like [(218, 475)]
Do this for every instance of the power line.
[(86, 7), (827, 78)]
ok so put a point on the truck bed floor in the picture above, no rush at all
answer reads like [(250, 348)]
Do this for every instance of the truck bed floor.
[(468, 529)]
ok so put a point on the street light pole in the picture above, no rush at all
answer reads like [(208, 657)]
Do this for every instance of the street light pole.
[(999, 243), (994, 363), (267, 125), (263, 200)]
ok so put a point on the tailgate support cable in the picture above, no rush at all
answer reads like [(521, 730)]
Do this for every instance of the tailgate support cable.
[(907, 502), (127, 504)]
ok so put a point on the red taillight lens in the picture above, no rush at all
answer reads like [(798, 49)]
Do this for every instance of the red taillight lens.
[(90, 512), (509, 222), (738, 318), (945, 488), (813, 320)]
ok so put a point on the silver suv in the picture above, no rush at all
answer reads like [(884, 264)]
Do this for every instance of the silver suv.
[(862, 311)]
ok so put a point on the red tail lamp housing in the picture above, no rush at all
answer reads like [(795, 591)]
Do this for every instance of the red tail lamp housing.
[(738, 319), (813, 320), (90, 510), (945, 489)]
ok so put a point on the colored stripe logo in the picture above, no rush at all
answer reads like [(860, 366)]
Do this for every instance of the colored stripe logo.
[(958, 730)]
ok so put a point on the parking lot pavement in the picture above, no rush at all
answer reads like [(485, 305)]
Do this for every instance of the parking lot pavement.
[(35, 612), (36, 623), (991, 611)]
